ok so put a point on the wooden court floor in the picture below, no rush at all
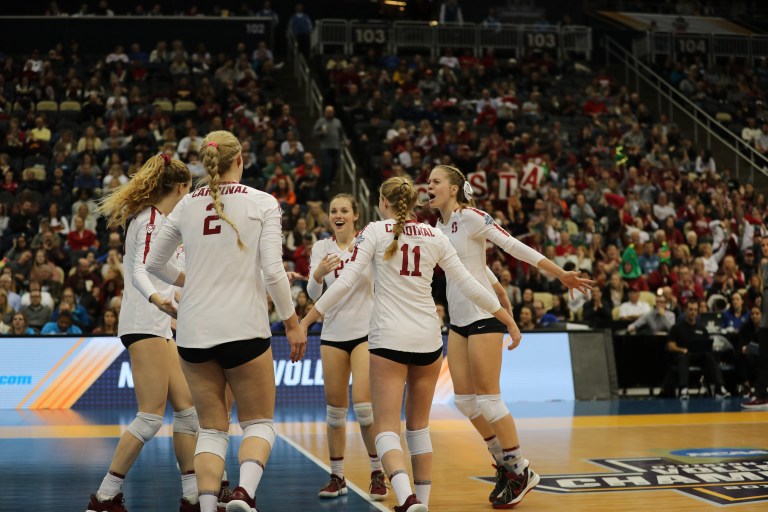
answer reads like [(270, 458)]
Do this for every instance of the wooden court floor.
[(610, 456)]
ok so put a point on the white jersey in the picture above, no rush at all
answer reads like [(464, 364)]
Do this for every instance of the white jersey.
[(350, 318), (224, 297), (404, 316), (468, 229), (137, 314)]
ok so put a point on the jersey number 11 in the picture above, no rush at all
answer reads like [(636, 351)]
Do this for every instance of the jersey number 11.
[(405, 249)]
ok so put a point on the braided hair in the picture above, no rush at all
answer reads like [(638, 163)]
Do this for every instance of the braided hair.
[(219, 149), (401, 194)]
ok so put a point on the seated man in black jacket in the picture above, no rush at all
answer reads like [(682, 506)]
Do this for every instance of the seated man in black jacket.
[(688, 332)]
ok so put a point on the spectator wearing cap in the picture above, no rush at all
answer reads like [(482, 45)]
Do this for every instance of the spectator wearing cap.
[(633, 308)]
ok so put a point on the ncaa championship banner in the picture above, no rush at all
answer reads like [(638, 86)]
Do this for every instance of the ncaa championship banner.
[(95, 372)]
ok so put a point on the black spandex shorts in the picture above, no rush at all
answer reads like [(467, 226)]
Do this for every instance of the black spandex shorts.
[(414, 358), (130, 339), (347, 346), (484, 326), (229, 355)]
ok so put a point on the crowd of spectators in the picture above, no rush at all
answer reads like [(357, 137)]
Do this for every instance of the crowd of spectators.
[(625, 196), (62, 269), (733, 92)]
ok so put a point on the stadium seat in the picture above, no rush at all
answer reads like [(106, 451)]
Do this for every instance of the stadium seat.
[(184, 106), (649, 298), (47, 106), (165, 105), (70, 106), (545, 298)]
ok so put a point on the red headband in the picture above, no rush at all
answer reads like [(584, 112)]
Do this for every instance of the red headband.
[(214, 144), (166, 158)]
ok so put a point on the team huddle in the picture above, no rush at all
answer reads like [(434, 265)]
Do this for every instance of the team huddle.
[(389, 341)]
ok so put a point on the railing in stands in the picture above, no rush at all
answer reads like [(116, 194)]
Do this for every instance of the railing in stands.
[(712, 46), (745, 160), (434, 37), (314, 100)]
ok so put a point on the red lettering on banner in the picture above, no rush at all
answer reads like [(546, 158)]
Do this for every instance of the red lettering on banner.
[(531, 179), (507, 184), (479, 182)]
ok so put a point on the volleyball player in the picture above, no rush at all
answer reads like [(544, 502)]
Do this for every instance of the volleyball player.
[(475, 339), (404, 334), (344, 348), (233, 257), (145, 331)]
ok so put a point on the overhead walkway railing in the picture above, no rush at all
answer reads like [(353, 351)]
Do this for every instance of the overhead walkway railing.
[(346, 35)]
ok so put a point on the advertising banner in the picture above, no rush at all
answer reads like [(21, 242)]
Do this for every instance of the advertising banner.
[(92, 372)]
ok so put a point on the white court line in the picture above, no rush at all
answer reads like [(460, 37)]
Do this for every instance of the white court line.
[(327, 468)]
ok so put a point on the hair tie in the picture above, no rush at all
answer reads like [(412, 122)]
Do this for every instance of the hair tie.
[(214, 144), (467, 189), (397, 236), (166, 158)]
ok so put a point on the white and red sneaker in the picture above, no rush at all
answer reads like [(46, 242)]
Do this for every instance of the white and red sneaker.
[(378, 488), (516, 489), (335, 488), (756, 404), (412, 504), (115, 504), (241, 502)]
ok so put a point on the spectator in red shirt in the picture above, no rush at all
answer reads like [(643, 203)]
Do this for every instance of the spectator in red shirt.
[(301, 255), (81, 239)]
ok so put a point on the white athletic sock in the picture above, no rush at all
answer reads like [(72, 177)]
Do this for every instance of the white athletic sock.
[(250, 476), (110, 486), (494, 446), (402, 486), (375, 462), (337, 466), (423, 487), (189, 487), (513, 460), (208, 502)]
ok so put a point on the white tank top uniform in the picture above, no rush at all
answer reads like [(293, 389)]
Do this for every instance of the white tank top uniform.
[(350, 318), (223, 298), (137, 314), (404, 316), (468, 229)]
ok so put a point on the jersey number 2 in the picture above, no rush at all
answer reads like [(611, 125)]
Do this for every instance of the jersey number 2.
[(405, 249), (207, 228)]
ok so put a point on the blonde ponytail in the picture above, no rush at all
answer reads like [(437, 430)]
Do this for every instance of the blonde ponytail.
[(156, 178), (219, 149)]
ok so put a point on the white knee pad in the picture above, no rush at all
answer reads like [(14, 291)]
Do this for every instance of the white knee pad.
[(387, 441), (491, 407), (144, 426), (467, 405), (185, 422), (212, 441), (364, 413), (262, 428), (336, 417), (418, 441)]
